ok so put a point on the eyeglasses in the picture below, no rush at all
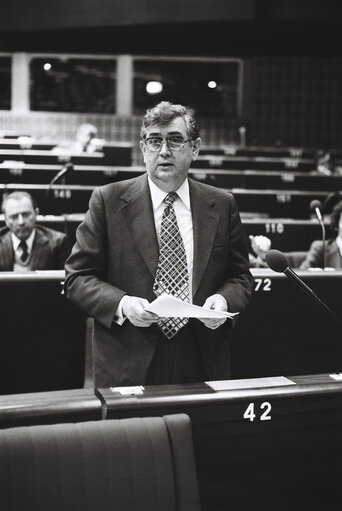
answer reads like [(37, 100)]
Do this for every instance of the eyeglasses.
[(173, 143)]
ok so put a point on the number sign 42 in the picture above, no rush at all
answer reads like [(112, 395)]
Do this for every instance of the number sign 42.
[(265, 415)]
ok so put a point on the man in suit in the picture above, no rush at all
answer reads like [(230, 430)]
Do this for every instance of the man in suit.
[(333, 246), (24, 245), (117, 268)]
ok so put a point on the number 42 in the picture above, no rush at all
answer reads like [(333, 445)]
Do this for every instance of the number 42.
[(251, 415)]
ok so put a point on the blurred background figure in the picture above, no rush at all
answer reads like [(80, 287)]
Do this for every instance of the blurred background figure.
[(24, 245), (333, 246), (325, 163), (260, 245), (85, 142)]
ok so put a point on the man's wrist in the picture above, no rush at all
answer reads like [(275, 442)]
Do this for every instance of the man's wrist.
[(119, 316)]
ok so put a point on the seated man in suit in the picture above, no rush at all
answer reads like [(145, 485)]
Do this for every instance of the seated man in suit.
[(160, 232), (24, 245), (333, 246)]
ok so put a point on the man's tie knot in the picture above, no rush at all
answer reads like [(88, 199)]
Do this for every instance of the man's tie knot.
[(170, 198)]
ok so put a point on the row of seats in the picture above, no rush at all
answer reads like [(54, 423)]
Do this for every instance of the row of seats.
[(136, 464), (99, 174), (285, 234), (59, 199)]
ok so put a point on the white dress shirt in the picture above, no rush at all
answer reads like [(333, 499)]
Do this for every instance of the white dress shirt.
[(184, 219)]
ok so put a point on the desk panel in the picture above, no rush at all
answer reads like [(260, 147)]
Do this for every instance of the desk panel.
[(42, 344), (271, 152), (285, 234), (277, 203), (261, 448), (256, 163), (283, 331)]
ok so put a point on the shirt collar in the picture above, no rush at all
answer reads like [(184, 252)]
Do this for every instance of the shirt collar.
[(29, 241), (157, 195)]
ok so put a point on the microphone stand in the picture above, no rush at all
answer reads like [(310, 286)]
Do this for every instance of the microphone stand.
[(68, 166), (321, 221), (307, 290)]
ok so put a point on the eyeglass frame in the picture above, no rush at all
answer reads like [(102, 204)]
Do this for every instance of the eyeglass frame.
[(144, 140)]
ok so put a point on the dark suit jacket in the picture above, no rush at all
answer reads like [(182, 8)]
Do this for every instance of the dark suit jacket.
[(50, 249), (314, 258), (116, 253)]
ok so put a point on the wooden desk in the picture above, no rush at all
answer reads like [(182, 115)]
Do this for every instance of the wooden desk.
[(257, 447), (52, 407)]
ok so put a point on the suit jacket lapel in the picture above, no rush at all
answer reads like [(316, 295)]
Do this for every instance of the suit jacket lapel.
[(138, 211), (205, 220), (40, 251), (6, 253)]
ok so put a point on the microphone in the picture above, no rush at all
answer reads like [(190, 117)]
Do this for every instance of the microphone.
[(316, 207), (278, 262), (67, 167)]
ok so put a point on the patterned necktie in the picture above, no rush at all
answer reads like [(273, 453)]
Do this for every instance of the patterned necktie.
[(24, 251), (172, 272)]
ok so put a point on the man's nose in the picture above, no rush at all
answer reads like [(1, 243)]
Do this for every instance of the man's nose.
[(164, 148), (20, 219)]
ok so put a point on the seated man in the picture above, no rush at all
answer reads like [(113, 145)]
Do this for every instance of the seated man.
[(333, 246), (24, 245)]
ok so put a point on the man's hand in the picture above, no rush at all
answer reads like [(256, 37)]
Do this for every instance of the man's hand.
[(133, 309), (218, 303)]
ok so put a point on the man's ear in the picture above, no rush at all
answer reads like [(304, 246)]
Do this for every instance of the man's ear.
[(196, 146), (36, 210)]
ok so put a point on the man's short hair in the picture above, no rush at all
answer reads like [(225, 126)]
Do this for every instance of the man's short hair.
[(335, 217), (17, 196), (165, 112)]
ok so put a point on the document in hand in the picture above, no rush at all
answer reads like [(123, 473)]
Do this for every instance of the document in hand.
[(167, 306)]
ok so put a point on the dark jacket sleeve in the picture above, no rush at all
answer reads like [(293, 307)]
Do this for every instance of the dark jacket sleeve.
[(86, 268)]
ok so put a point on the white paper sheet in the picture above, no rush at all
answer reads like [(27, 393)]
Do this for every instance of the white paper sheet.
[(167, 306), (251, 383)]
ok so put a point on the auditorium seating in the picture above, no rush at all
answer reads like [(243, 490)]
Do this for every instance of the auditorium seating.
[(267, 180), (285, 234), (142, 464), (58, 199)]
